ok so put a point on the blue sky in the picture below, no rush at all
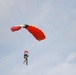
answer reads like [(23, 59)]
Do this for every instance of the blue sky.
[(56, 55)]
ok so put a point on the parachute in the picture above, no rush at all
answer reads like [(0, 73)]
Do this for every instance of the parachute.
[(36, 32)]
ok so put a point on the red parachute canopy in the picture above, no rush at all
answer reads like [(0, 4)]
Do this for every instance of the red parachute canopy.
[(36, 32)]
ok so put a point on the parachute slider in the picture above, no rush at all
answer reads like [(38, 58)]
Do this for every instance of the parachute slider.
[(25, 25)]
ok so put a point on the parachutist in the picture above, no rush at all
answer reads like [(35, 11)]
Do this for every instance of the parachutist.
[(26, 57)]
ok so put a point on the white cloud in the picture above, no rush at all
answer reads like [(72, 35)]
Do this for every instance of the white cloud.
[(5, 8), (71, 58), (65, 68), (42, 12)]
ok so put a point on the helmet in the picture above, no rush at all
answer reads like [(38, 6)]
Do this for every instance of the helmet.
[(26, 51)]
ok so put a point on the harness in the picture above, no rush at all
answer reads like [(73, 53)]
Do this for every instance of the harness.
[(25, 55)]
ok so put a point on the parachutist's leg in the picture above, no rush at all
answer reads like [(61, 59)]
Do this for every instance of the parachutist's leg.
[(24, 61)]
